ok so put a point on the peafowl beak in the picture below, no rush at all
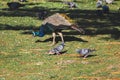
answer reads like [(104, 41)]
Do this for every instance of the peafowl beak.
[(40, 34)]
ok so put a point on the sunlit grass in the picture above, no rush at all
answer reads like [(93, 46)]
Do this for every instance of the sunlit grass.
[(22, 58)]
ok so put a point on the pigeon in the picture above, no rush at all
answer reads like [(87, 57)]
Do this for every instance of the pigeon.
[(15, 5), (99, 4), (109, 1), (105, 9), (42, 14), (57, 49), (84, 52), (71, 4)]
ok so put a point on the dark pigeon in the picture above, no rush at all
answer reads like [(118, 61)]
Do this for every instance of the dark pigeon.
[(14, 5), (55, 24), (42, 14), (105, 9)]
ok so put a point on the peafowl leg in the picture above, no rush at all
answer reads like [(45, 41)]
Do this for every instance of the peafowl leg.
[(54, 36), (61, 35)]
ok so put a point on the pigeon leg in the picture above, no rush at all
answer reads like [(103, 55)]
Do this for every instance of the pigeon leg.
[(61, 35), (86, 55), (58, 53)]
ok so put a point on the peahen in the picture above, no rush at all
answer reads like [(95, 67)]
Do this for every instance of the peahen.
[(55, 24)]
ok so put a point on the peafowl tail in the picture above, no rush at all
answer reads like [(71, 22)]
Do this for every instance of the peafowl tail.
[(77, 29)]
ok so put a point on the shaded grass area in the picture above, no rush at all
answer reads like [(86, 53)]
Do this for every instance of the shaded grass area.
[(87, 18), (24, 57)]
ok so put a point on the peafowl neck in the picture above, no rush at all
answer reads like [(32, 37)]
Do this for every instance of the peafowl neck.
[(41, 32)]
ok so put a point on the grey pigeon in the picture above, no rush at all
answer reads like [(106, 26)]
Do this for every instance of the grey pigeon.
[(109, 1), (57, 49), (84, 52), (71, 4), (99, 4), (55, 24)]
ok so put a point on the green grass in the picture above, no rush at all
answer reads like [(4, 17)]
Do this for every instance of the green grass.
[(23, 58)]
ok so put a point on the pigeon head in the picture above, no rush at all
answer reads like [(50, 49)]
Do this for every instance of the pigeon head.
[(78, 50), (92, 50)]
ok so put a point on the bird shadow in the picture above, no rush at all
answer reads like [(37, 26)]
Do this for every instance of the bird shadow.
[(63, 52), (66, 38), (87, 56), (91, 55)]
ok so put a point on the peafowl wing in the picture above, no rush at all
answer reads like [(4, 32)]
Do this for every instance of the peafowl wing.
[(61, 21)]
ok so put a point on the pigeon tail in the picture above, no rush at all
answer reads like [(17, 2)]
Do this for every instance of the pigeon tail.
[(78, 50)]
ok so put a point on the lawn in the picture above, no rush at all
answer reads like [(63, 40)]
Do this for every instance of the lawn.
[(24, 57)]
